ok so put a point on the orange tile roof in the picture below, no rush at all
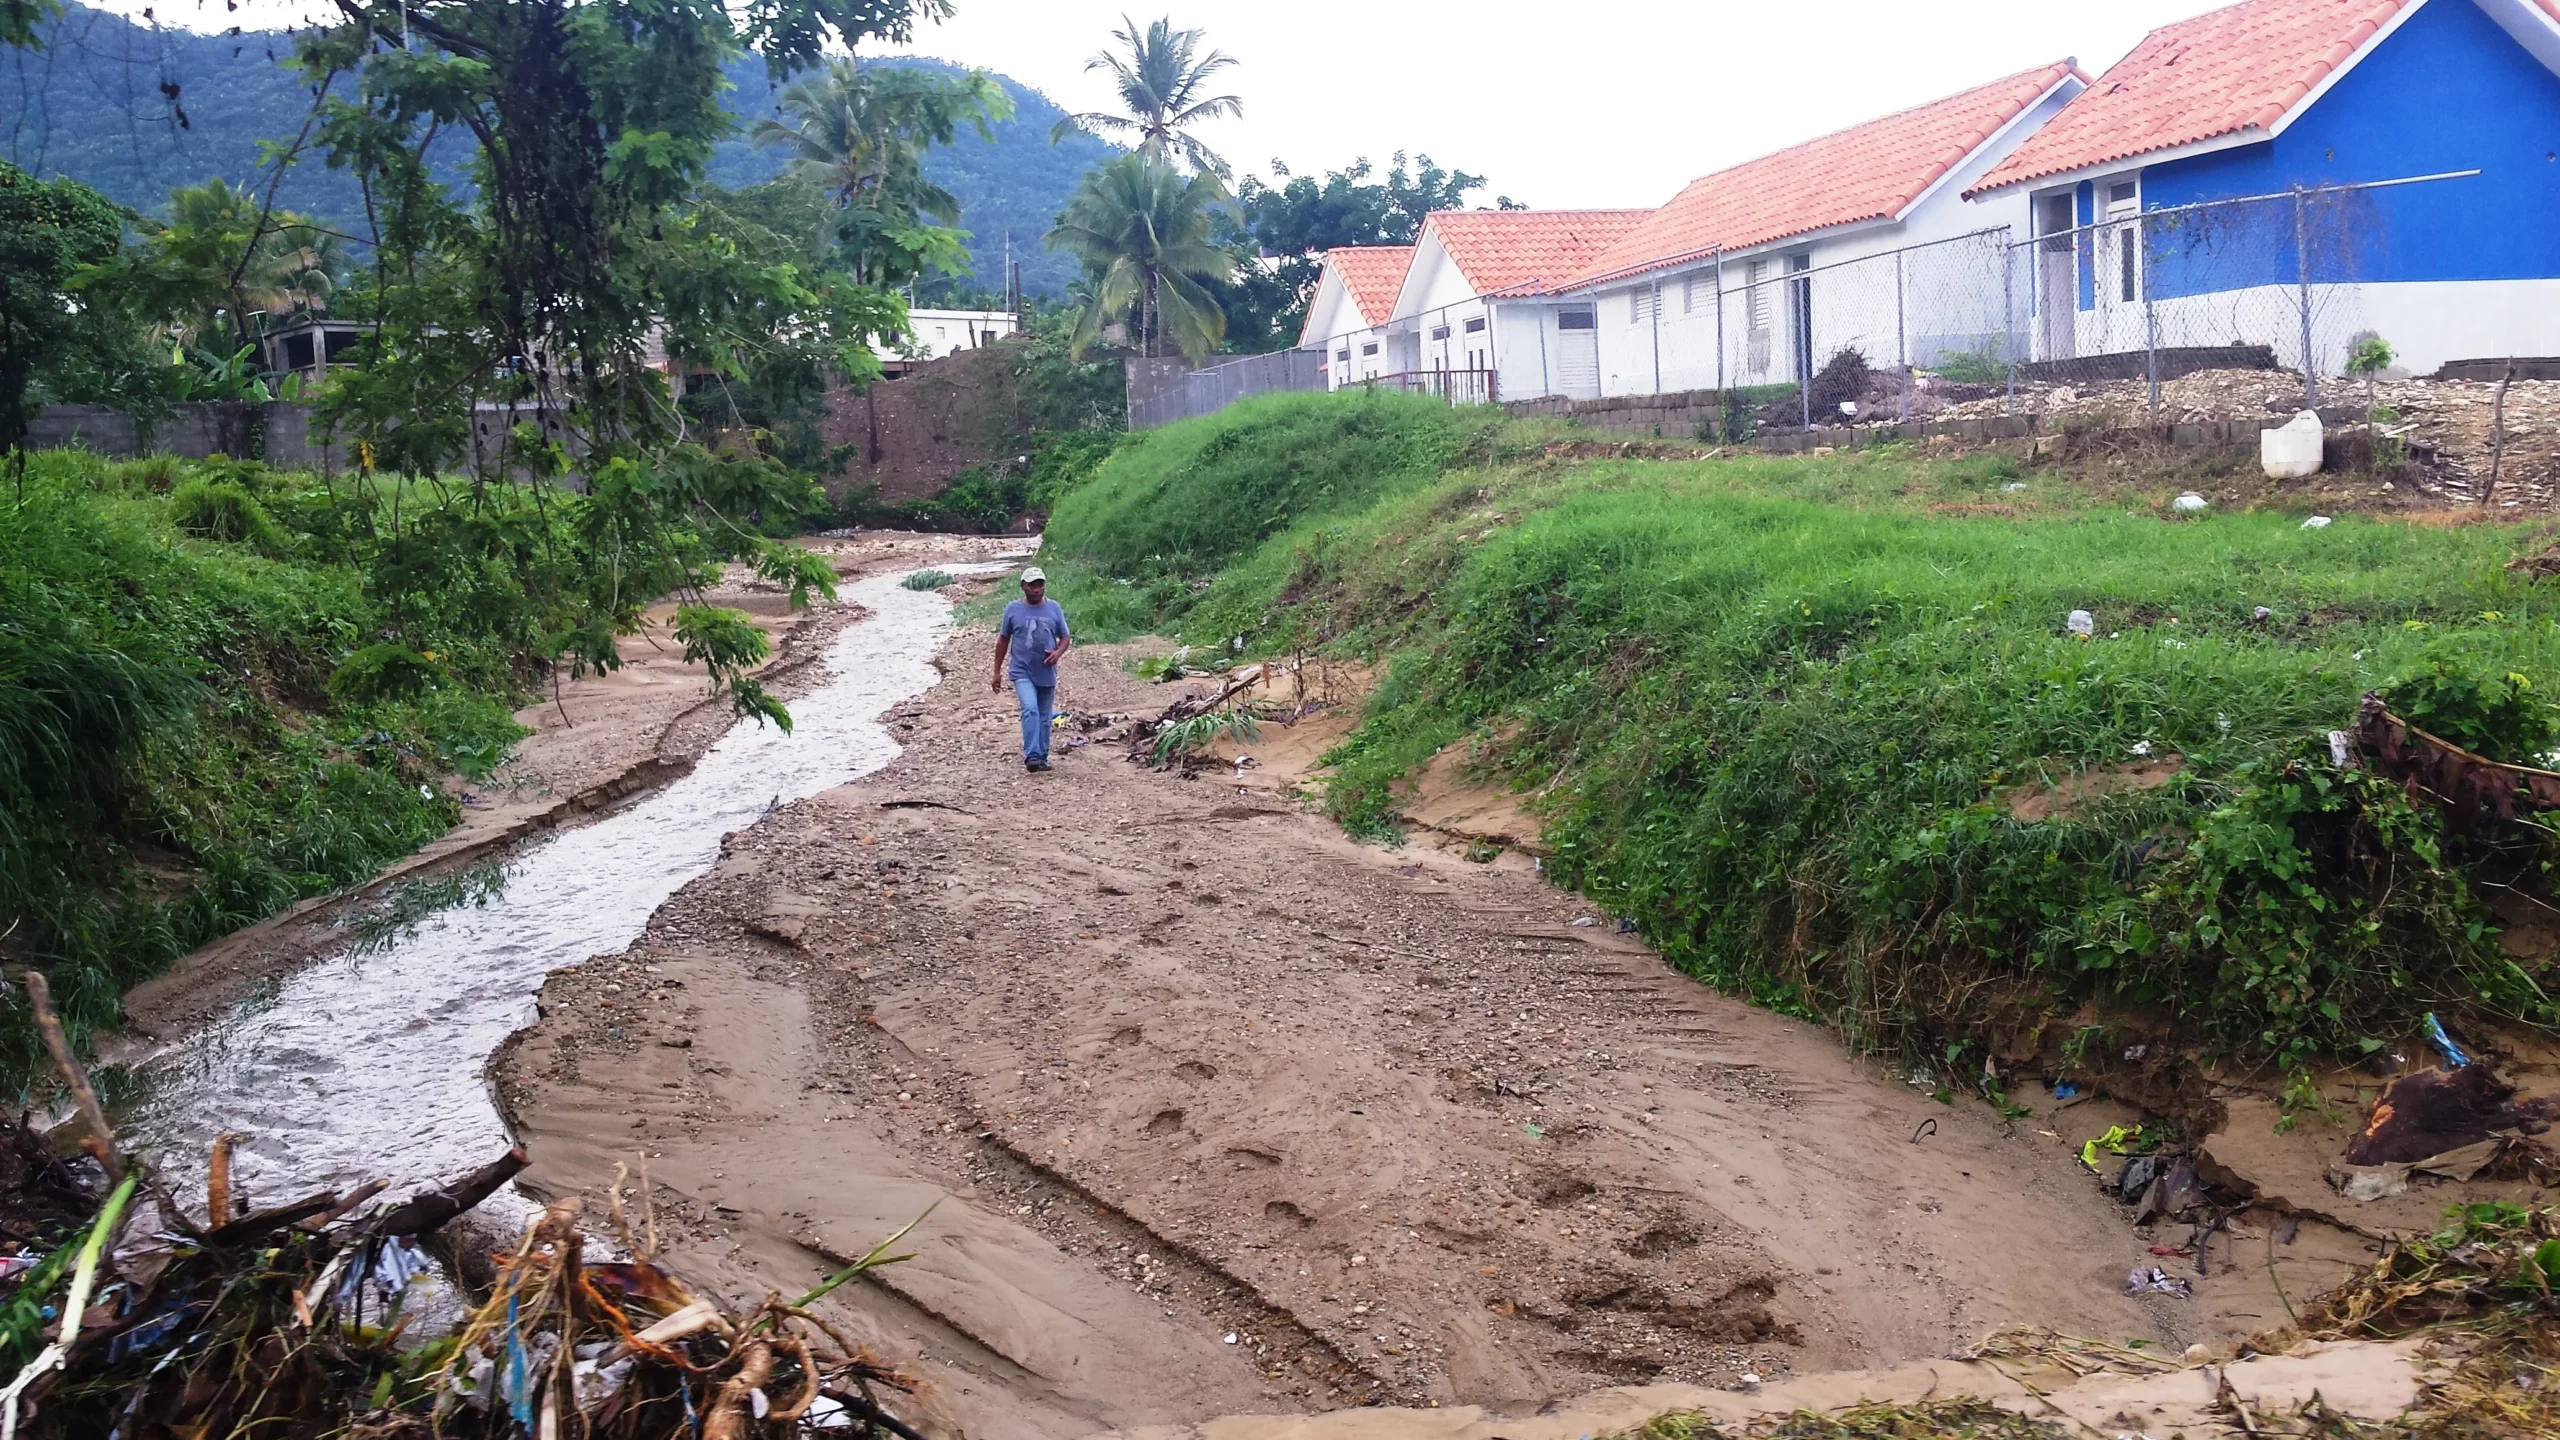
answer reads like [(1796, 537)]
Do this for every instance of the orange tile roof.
[(1866, 172), (1500, 251), (1373, 274), (2224, 73)]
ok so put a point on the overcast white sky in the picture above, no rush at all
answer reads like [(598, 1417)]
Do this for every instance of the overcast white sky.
[(1600, 102)]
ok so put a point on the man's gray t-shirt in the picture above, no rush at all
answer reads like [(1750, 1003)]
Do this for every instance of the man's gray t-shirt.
[(1035, 631)]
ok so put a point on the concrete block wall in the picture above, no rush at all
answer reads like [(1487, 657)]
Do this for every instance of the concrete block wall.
[(285, 435)]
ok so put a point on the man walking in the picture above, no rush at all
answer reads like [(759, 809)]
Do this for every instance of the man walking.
[(1029, 640)]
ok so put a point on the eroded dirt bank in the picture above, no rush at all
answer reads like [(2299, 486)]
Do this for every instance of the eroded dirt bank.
[(1217, 1112)]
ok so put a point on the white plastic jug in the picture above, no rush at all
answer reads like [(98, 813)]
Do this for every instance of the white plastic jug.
[(2291, 450)]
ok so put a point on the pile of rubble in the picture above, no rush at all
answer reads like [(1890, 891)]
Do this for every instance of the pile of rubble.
[(2449, 427)]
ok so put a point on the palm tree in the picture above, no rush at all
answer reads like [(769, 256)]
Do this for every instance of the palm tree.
[(861, 133), (226, 260), (1143, 232), (1159, 78)]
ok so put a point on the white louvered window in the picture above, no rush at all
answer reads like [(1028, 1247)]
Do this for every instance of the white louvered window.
[(1757, 306), (1697, 292), (1639, 305)]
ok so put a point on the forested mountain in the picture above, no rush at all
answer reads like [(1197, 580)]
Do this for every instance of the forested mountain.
[(96, 104)]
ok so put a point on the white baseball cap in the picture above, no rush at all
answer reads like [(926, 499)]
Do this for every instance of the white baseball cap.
[(1033, 576)]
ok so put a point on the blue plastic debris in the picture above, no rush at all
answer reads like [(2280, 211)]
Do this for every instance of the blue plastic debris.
[(2065, 1090), (2453, 1055)]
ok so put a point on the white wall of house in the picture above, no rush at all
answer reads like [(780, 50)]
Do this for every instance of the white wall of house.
[(1336, 326), (943, 332), (1950, 296), (1441, 323)]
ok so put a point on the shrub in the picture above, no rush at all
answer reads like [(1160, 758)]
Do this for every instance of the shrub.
[(929, 580), (224, 510), (388, 671)]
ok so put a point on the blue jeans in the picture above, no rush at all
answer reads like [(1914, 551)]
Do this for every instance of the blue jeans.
[(1038, 704)]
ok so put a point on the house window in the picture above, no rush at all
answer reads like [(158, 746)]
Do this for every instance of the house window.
[(1475, 326), (1342, 354), (1369, 349), (2129, 277), (1639, 306), (1574, 319), (1439, 332), (297, 351), (1756, 302)]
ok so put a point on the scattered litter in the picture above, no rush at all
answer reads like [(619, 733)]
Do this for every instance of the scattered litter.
[(2152, 1280), (2342, 749), (2316, 522), (2190, 503), (2065, 1090), (1926, 1127), (2138, 747), (2081, 623), (1229, 1339), (2119, 1140), (2136, 1052), (1534, 1132), (1581, 922), (2014, 486)]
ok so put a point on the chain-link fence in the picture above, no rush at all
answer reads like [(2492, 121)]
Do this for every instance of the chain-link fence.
[(2274, 283), (1159, 395)]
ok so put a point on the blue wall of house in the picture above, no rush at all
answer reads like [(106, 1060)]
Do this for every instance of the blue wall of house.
[(2448, 91)]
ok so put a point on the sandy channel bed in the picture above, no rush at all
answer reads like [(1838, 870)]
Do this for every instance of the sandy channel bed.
[(1216, 1112)]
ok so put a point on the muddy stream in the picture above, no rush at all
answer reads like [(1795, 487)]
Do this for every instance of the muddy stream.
[(372, 1064)]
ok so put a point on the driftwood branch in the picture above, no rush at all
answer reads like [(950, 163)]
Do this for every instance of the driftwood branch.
[(429, 1210), (100, 1141)]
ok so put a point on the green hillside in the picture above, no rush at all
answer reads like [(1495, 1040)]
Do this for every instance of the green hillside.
[(90, 105)]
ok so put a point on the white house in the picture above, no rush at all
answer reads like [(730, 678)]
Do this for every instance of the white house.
[(1459, 329), (2296, 173), (1355, 296), (937, 333), (1760, 273)]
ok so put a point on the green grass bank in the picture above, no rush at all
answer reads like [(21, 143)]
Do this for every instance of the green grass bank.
[(1803, 720), (224, 689)]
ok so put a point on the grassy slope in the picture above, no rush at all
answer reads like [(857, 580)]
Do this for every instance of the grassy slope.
[(1774, 706), (172, 763)]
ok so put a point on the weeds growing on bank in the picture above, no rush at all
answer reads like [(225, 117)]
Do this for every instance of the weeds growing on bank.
[(1792, 717), (224, 689)]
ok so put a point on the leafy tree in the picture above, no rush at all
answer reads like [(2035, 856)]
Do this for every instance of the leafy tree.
[(548, 290), (1160, 73), (19, 20), (49, 230), (862, 132), (1302, 215), (1146, 235)]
